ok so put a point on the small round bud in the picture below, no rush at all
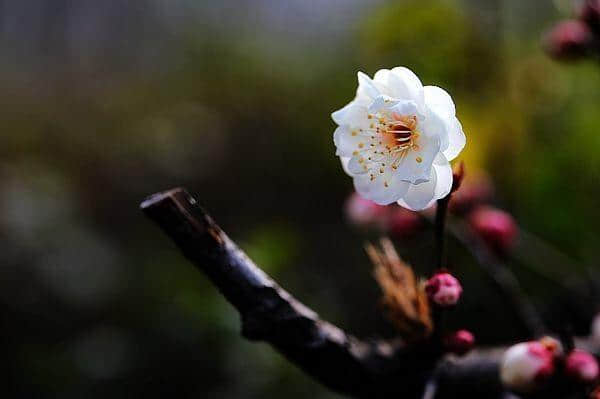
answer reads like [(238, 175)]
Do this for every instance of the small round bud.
[(459, 342), (443, 289), (497, 228), (581, 366), (525, 366), (402, 223), (364, 213), (570, 39)]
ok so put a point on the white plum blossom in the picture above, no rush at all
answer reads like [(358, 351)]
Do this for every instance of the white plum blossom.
[(396, 139)]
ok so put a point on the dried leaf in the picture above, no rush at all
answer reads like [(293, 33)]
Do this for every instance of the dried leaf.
[(404, 296)]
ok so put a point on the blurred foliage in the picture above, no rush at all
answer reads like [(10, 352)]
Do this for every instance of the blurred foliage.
[(232, 100)]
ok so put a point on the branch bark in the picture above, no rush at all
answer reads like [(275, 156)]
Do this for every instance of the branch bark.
[(374, 369)]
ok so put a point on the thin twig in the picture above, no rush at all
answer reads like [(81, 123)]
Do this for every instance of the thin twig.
[(502, 276), (440, 233)]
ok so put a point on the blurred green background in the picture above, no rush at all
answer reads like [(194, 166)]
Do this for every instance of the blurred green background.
[(104, 103)]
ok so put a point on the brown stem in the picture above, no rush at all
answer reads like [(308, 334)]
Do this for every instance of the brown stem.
[(440, 231)]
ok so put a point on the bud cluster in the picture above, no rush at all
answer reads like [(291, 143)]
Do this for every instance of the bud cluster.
[(527, 366), (578, 37)]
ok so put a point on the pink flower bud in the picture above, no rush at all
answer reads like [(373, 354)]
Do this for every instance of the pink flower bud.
[(402, 223), (581, 366), (525, 366), (497, 228), (443, 289), (459, 342), (364, 213), (569, 39)]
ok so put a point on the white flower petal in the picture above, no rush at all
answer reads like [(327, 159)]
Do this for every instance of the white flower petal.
[(420, 196), (366, 87), (443, 171), (377, 191), (380, 80), (404, 84), (415, 166), (438, 99), (353, 115), (382, 103), (442, 107), (339, 116), (456, 139), (346, 141), (345, 161), (424, 195), (452, 138), (355, 166)]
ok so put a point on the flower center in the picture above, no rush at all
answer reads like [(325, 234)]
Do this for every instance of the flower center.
[(399, 133), (395, 135), (389, 139)]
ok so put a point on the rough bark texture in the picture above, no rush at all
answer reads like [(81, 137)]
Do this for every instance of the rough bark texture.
[(338, 360)]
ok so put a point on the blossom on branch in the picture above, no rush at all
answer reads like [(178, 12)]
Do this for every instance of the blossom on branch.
[(396, 138)]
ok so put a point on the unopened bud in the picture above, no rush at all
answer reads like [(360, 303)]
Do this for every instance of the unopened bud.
[(443, 289), (569, 39), (459, 342), (497, 228), (364, 213), (581, 366), (526, 366)]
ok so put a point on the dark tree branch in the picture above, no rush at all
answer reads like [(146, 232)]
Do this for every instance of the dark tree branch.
[(336, 359)]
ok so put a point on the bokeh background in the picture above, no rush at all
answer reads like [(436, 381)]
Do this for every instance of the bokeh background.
[(106, 102)]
